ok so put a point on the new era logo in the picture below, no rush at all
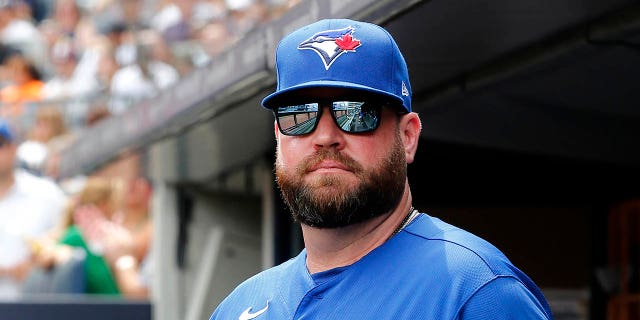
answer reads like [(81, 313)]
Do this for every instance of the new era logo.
[(405, 91)]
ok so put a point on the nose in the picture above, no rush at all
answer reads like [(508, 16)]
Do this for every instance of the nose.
[(327, 133)]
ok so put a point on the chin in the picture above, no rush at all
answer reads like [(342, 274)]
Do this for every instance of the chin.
[(341, 182)]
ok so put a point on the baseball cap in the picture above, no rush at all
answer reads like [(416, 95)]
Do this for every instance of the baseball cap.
[(341, 53), (5, 131)]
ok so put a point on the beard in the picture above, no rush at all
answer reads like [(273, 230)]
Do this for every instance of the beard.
[(331, 202)]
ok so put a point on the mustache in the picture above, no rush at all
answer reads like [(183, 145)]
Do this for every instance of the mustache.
[(329, 154)]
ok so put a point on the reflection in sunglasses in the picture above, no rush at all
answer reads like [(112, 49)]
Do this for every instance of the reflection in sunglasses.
[(350, 116)]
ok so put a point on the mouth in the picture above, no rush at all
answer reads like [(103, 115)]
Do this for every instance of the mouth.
[(329, 166), (328, 162)]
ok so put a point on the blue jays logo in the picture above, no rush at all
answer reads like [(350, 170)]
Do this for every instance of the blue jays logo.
[(331, 44)]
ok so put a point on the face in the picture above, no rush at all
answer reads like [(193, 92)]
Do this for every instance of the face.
[(330, 178), (19, 70), (67, 14), (138, 193)]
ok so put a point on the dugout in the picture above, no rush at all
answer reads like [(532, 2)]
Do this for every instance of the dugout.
[(530, 141)]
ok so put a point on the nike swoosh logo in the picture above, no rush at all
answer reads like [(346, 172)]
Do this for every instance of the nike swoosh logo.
[(247, 315)]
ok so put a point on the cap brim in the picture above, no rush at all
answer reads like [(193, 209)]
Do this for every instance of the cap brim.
[(276, 98)]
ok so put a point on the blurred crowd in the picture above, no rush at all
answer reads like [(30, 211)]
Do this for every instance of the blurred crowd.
[(66, 65), (94, 58), (91, 239)]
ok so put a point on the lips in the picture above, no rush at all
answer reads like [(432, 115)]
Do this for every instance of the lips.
[(328, 165), (328, 161)]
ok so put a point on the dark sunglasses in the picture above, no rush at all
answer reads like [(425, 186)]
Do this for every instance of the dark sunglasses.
[(349, 116)]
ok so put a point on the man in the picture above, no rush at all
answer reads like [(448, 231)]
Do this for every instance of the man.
[(29, 207), (345, 134), (18, 30)]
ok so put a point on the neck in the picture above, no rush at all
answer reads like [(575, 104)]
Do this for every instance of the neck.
[(338, 247)]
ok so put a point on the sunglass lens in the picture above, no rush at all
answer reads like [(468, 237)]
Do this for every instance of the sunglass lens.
[(356, 117), (297, 119)]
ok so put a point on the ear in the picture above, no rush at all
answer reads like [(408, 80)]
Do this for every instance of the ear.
[(275, 129), (410, 127)]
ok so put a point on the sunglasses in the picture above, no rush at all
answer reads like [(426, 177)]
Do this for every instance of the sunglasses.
[(349, 116)]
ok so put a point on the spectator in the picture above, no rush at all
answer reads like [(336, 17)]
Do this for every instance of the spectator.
[(173, 20), (89, 47), (121, 39), (124, 237), (69, 81), (49, 128), (49, 125), (79, 66), (73, 70), (160, 51), (71, 185), (213, 38), (61, 85), (67, 15), (99, 197), (25, 85), (62, 23), (141, 80), (21, 33), (128, 251), (29, 207)]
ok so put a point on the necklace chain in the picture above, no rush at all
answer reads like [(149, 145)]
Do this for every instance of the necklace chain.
[(404, 222)]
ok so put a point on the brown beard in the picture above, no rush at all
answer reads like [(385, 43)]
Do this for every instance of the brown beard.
[(330, 203)]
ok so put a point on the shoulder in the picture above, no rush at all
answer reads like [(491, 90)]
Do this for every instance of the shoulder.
[(40, 184), (265, 287), (266, 280), (504, 298), (460, 247), (42, 188), (478, 266)]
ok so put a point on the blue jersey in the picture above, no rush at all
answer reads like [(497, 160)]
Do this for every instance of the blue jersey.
[(430, 270)]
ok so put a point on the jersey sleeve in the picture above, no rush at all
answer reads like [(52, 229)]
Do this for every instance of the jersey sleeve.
[(503, 298)]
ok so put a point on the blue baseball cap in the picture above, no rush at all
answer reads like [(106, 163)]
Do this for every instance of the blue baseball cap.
[(341, 53), (5, 131)]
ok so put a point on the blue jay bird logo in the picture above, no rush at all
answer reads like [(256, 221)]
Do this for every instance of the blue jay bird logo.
[(331, 44)]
